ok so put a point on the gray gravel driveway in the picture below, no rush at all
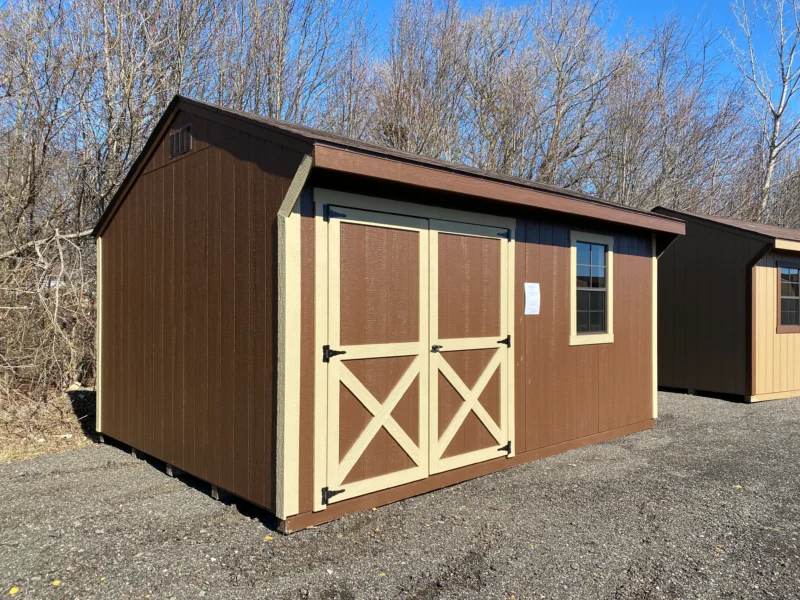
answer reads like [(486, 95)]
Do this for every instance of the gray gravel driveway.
[(706, 505)]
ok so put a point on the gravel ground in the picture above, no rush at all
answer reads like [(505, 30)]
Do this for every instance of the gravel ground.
[(706, 505)]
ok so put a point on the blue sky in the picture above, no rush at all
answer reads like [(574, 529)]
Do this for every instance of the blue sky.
[(637, 13), (640, 12)]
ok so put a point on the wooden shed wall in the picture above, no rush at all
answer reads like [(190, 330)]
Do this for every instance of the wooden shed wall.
[(703, 321), (188, 327), (777, 355), (565, 396), (564, 392)]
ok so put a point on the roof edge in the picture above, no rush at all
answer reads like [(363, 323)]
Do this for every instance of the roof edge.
[(390, 168), (707, 220)]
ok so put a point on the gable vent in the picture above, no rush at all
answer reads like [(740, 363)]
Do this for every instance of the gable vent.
[(180, 142)]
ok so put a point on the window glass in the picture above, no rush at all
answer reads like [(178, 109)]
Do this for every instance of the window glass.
[(591, 282), (790, 296)]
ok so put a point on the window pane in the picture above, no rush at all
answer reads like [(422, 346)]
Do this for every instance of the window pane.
[(790, 289), (584, 276), (584, 252), (583, 299), (790, 275), (598, 255), (790, 312), (583, 322), (598, 300), (597, 322), (598, 277)]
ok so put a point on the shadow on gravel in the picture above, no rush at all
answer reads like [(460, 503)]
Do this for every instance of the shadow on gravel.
[(245, 508), (84, 406), (735, 399)]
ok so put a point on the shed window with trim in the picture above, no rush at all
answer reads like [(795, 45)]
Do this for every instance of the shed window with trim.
[(591, 306), (789, 296)]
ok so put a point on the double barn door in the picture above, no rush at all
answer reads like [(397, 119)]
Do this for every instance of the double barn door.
[(418, 349)]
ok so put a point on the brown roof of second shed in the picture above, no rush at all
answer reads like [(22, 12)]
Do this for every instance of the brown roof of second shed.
[(775, 232)]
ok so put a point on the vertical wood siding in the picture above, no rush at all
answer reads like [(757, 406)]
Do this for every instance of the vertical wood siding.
[(189, 298), (562, 393), (565, 392), (777, 354), (703, 321)]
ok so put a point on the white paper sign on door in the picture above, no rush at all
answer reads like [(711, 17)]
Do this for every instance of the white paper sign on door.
[(532, 298)]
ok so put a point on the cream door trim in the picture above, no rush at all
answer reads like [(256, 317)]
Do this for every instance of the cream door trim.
[(320, 368), (511, 325), (590, 338), (338, 373)]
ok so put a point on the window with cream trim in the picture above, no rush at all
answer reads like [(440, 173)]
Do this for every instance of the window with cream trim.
[(591, 289)]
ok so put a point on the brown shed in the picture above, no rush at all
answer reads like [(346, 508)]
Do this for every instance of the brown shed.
[(729, 309), (320, 325)]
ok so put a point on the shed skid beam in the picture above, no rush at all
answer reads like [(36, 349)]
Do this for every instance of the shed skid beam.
[(217, 493), (134, 452), (174, 471)]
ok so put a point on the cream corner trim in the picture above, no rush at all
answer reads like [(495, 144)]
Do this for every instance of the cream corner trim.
[(591, 338), (654, 333), (99, 338), (287, 494)]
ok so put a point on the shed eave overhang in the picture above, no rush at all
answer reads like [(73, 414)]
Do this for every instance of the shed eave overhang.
[(357, 162)]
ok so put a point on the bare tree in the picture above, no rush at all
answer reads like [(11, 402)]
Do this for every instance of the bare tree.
[(774, 80), (540, 91), (674, 131), (419, 86)]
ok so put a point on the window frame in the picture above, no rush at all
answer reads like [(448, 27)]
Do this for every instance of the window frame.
[(783, 264), (582, 339)]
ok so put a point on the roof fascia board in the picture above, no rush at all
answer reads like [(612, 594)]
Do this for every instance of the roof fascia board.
[(714, 224), (787, 245), (358, 163)]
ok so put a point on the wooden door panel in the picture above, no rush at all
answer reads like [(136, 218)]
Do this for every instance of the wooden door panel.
[(469, 286), (377, 389), (469, 401), (380, 279)]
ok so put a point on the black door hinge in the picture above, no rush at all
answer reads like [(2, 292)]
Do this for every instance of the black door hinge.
[(506, 341), (328, 494), (435, 348), (506, 448), (328, 213), (327, 353)]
